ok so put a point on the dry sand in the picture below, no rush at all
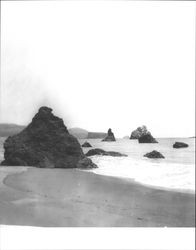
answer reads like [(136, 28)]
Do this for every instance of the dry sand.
[(59, 197)]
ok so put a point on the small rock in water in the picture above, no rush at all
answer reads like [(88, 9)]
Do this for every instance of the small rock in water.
[(98, 151), (154, 154), (180, 145), (110, 136), (86, 145)]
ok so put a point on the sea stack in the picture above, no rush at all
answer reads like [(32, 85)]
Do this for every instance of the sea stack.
[(110, 136), (143, 135), (44, 143), (86, 145), (136, 134)]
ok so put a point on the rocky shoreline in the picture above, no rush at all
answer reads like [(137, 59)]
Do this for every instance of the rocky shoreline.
[(47, 143)]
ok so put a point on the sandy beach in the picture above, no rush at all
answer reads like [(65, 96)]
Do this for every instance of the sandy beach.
[(59, 197)]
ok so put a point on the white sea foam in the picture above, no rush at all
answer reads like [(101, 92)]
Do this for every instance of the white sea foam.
[(166, 175), (176, 171)]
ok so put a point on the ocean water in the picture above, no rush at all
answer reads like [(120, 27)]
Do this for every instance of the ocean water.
[(176, 171)]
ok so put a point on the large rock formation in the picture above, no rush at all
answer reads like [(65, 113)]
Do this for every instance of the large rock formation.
[(154, 154), (98, 151), (180, 145), (148, 138), (143, 135), (110, 136), (86, 145), (136, 134), (45, 142)]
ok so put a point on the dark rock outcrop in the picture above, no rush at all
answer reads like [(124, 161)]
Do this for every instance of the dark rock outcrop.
[(154, 154), (86, 145), (110, 136), (98, 151), (143, 135), (86, 163), (180, 145), (45, 142), (136, 134), (148, 138)]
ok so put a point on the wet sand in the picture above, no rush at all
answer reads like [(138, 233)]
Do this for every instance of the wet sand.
[(59, 197)]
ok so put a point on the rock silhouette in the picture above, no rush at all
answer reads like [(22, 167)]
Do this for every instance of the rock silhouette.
[(98, 151), (136, 134), (147, 138), (86, 145), (143, 135), (45, 142), (86, 163), (154, 154), (180, 145), (110, 136)]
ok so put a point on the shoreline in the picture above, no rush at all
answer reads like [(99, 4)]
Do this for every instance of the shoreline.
[(129, 180), (73, 197), (175, 190)]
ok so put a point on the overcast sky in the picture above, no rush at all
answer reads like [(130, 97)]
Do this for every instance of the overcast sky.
[(100, 64)]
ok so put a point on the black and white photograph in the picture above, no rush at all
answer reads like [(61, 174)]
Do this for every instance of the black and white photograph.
[(97, 114)]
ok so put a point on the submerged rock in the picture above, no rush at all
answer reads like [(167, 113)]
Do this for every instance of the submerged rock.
[(143, 135), (45, 143), (98, 151), (180, 145), (154, 154), (86, 145), (110, 136), (148, 138)]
